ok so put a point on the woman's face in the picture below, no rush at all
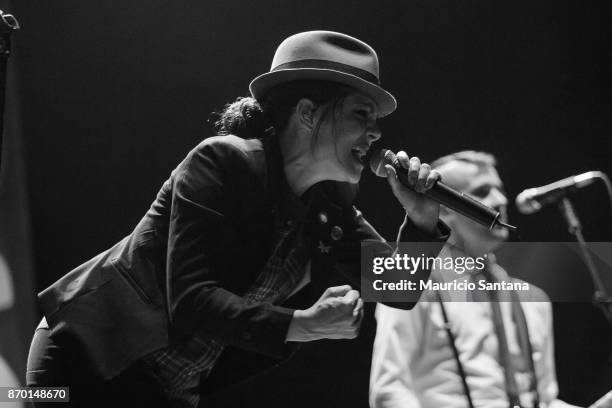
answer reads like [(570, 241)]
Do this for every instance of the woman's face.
[(346, 132)]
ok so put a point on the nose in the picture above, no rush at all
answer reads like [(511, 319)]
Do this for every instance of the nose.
[(499, 198), (374, 132)]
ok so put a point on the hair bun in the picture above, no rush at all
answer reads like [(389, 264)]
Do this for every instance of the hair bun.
[(244, 118)]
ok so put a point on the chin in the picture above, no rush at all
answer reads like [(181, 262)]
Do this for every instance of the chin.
[(354, 179), (499, 233), (352, 175), (485, 240), (344, 177), (494, 240)]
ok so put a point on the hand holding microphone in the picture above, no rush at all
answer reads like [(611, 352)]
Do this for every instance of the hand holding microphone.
[(408, 178), (432, 189)]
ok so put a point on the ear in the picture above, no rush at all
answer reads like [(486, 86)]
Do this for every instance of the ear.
[(305, 111)]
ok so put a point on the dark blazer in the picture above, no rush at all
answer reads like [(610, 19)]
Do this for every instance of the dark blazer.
[(202, 243)]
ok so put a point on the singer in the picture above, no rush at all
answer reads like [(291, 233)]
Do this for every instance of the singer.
[(252, 218)]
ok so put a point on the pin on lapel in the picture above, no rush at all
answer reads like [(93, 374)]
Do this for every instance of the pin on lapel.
[(324, 248)]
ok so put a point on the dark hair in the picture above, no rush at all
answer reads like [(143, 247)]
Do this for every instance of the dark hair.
[(248, 117)]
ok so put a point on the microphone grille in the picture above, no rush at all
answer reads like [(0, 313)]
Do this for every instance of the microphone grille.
[(525, 202), (378, 161)]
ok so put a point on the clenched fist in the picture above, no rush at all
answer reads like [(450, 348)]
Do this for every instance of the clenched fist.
[(336, 315)]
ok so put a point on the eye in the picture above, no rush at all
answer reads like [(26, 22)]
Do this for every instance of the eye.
[(481, 192), (362, 113)]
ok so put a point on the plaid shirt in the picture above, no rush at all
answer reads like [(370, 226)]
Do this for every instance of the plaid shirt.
[(179, 368)]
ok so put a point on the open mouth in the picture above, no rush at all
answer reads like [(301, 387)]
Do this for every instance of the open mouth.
[(359, 153)]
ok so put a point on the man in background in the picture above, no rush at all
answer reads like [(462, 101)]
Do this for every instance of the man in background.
[(474, 352)]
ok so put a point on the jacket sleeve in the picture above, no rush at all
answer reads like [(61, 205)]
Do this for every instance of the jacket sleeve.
[(349, 253), (204, 188)]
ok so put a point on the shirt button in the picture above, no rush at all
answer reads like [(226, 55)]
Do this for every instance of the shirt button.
[(323, 217), (336, 233), (246, 336)]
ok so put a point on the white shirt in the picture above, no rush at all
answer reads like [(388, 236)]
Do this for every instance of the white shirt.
[(413, 363)]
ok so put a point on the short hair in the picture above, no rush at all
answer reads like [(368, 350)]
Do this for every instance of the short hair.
[(481, 159)]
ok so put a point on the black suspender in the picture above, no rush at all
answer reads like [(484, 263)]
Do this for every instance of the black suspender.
[(451, 340)]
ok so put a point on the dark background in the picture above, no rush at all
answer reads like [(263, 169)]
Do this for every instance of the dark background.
[(113, 94)]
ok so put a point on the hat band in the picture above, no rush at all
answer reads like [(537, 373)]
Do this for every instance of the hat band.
[(324, 64)]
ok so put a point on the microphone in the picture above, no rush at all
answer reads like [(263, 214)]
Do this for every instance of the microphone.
[(533, 199), (440, 192)]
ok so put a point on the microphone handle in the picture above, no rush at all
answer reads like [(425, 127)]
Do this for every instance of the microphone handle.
[(453, 199), (464, 204)]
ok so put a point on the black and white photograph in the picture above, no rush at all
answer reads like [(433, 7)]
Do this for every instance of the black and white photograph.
[(283, 204)]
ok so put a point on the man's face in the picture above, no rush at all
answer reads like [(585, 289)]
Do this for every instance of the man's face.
[(483, 184)]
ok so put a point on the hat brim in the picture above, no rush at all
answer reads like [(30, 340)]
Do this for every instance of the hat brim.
[(262, 84)]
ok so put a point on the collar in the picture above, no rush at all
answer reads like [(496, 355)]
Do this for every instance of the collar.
[(334, 195), (281, 198)]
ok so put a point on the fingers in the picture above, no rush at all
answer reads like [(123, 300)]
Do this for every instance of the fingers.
[(351, 298), (338, 314), (392, 178), (419, 175), (357, 319), (433, 177), (352, 326), (358, 313), (336, 291), (414, 166), (403, 159), (424, 171), (358, 309)]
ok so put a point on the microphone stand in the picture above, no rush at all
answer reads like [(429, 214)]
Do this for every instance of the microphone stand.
[(8, 24), (601, 298)]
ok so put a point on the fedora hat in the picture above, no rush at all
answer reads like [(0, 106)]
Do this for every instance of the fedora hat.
[(326, 56)]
